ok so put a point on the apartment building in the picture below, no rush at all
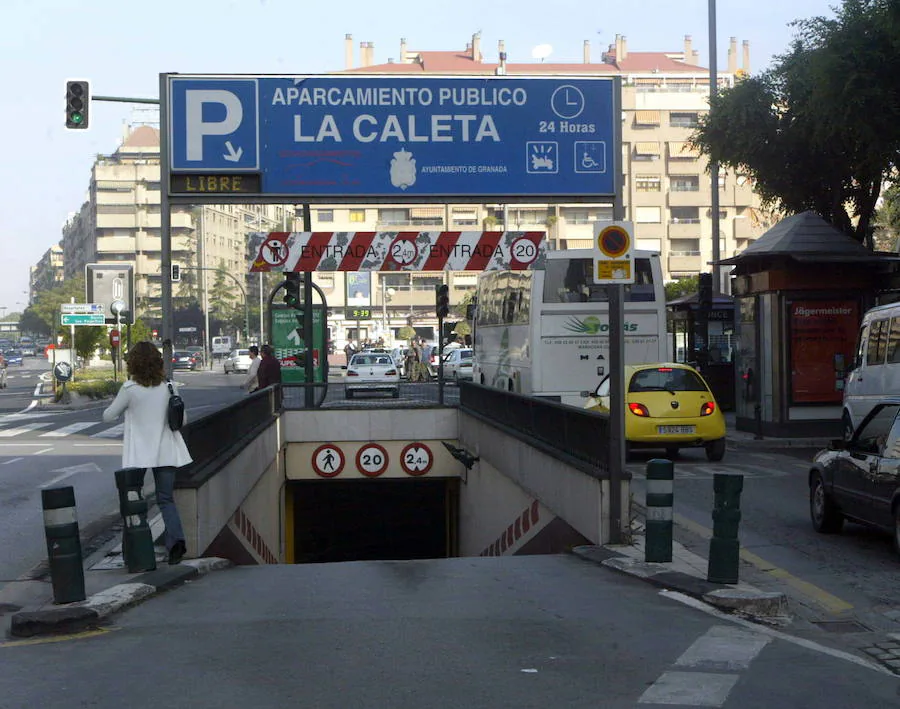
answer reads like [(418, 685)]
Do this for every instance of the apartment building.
[(47, 272), (120, 222)]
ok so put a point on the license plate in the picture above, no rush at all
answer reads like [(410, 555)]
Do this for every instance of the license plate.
[(663, 430)]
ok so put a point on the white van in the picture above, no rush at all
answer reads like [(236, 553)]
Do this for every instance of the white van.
[(876, 368), (221, 346)]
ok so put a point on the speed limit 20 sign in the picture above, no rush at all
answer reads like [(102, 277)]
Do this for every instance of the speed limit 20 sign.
[(613, 252)]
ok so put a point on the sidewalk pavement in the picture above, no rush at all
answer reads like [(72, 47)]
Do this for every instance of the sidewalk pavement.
[(747, 439), (109, 588), (687, 573)]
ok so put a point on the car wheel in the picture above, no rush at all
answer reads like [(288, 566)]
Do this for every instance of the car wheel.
[(225, 369), (672, 451), (715, 450), (825, 516), (847, 426)]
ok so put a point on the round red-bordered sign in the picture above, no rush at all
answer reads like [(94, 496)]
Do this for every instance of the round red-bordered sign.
[(524, 251), (416, 459), (403, 251), (614, 241), (328, 460), (372, 460), (274, 250)]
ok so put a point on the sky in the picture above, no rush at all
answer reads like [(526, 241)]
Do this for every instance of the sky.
[(122, 47)]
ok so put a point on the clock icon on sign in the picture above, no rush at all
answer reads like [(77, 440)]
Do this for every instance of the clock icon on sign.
[(567, 101)]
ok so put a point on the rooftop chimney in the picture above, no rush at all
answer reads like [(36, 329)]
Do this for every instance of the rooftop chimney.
[(363, 57), (587, 51), (371, 51), (747, 56), (688, 52), (732, 55), (402, 50), (476, 46), (624, 46), (348, 51), (695, 60), (618, 47)]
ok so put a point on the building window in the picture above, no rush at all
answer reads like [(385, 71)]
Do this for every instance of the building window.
[(357, 215), (646, 118), (528, 216), (683, 151), (683, 120), (646, 150), (685, 183), (393, 216), (325, 215), (576, 215), (116, 209), (647, 215), (684, 215), (647, 183), (684, 247), (465, 217), (426, 216)]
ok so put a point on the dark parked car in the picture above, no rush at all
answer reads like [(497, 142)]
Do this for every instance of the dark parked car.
[(859, 479), (13, 357)]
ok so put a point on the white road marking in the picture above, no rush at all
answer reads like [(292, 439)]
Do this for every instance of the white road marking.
[(723, 647), (43, 450), (696, 689), (71, 470), (114, 432), (27, 428), (12, 460), (771, 632), (71, 428), (89, 445)]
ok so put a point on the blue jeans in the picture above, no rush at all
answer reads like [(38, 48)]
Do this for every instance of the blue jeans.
[(164, 479)]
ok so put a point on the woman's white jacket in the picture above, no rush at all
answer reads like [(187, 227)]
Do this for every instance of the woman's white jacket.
[(148, 440)]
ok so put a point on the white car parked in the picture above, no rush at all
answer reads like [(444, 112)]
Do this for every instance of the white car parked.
[(458, 364), (372, 372), (237, 361)]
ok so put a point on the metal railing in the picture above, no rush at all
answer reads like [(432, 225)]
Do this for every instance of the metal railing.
[(579, 434), (216, 438)]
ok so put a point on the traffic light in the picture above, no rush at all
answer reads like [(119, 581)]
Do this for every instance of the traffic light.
[(176, 272), (78, 101), (705, 294), (442, 300), (292, 289)]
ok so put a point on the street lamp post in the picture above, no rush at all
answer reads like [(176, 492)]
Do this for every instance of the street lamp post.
[(386, 295)]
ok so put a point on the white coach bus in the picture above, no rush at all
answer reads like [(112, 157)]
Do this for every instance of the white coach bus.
[(546, 332)]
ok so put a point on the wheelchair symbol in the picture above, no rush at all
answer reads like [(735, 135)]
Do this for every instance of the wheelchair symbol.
[(590, 156)]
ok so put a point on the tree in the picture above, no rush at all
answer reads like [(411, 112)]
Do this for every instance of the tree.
[(887, 219), (222, 296), (140, 332), (681, 287), (42, 316), (88, 339), (820, 129)]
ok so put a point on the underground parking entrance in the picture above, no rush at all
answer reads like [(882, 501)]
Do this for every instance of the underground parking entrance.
[(372, 520)]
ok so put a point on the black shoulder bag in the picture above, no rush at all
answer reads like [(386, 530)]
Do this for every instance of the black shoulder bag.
[(176, 409)]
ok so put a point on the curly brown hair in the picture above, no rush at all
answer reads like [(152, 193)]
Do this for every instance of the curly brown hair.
[(145, 364)]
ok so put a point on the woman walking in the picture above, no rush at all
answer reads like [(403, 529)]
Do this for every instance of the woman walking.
[(148, 440)]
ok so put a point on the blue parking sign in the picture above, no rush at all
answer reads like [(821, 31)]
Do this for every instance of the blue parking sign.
[(214, 124)]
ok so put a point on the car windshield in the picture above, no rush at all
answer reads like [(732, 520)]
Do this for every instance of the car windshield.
[(666, 379), (371, 360)]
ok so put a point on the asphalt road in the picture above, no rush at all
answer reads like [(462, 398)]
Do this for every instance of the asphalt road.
[(46, 446), (525, 632), (846, 576)]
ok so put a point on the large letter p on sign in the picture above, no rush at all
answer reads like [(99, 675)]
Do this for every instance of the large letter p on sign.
[(197, 128)]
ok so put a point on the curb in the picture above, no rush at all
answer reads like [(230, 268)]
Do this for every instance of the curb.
[(87, 614), (762, 604), (772, 443)]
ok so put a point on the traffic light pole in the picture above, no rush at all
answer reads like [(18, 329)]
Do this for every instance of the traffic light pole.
[(309, 369)]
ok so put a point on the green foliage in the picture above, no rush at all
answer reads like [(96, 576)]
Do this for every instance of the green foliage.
[(42, 316), (88, 339), (887, 219), (140, 332), (681, 287), (91, 388), (819, 130)]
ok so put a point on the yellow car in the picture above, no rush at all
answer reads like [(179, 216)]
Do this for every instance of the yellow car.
[(667, 405)]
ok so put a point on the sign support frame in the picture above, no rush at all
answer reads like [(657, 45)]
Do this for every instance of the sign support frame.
[(165, 226)]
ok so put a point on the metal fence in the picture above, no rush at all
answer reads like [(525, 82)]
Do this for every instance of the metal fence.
[(583, 435), (412, 395), (214, 439)]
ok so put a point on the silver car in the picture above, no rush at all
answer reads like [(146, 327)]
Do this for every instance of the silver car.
[(458, 364), (237, 361), (372, 372)]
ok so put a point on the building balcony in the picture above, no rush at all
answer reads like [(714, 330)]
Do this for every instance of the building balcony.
[(687, 198), (116, 221), (684, 229), (743, 229), (684, 262), (115, 244)]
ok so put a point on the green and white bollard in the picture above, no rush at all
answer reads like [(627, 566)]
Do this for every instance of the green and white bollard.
[(660, 495), (724, 547), (63, 544), (137, 540)]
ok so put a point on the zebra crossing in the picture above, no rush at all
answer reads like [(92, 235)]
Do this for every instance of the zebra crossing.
[(13, 426), (754, 466)]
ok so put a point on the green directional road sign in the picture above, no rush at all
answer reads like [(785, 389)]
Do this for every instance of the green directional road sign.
[(82, 319), (286, 327)]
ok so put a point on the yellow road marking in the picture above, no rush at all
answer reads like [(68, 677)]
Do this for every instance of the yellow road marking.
[(819, 596), (58, 638)]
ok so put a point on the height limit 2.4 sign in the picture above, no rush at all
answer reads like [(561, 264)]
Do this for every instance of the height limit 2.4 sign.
[(613, 252)]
